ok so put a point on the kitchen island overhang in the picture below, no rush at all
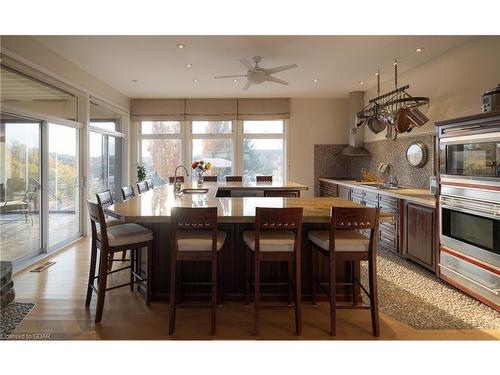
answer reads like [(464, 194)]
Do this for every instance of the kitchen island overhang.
[(235, 214)]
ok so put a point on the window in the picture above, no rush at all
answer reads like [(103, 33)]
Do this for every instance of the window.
[(105, 142), (264, 149), (160, 149), (213, 141)]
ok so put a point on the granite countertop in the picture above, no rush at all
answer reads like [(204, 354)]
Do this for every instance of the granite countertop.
[(154, 206), (410, 194)]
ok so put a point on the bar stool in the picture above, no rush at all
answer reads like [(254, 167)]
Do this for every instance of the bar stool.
[(344, 243), (234, 178), (142, 187), (122, 237), (194, 238), (179, 178), (149, 183), (210, 178), (105, 199), (277, 238), (264, 178), (127, 192)]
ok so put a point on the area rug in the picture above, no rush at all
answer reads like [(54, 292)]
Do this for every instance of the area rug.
[(11, 316), (414, 296)]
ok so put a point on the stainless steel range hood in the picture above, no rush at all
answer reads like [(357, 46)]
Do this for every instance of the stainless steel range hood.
[(356, 140)]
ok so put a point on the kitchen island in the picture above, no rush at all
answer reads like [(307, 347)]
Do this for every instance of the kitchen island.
[(235, 215)]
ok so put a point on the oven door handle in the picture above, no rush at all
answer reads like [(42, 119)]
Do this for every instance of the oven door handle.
[(494, 291), (472, 212), (477, 138)]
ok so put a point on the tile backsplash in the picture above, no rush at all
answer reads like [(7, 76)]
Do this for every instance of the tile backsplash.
[(329, 161)]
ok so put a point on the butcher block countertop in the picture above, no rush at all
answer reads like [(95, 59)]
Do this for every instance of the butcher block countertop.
[(410, 194), (154, 206)]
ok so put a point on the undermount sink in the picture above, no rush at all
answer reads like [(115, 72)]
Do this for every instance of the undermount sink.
[(194, 191), (382, 186)]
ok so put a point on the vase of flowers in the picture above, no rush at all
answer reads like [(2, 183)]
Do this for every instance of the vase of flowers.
[(200, 167)]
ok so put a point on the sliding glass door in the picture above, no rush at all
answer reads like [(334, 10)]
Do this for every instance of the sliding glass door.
[(39, 186), (20, 176), (63, 186)]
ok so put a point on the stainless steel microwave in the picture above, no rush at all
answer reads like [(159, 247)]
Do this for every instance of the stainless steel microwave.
[(474, 156)]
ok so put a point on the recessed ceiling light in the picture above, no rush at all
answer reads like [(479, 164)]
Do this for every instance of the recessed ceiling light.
[(188, 65), (180, 45), (135, 80), (361, 82), (315, 80), (195, 80), (235, 80), (420, 49)]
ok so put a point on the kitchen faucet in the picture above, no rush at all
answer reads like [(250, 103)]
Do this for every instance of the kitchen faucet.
[(388, 167), (177, 184)]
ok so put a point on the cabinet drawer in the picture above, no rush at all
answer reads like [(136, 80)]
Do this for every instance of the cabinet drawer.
[(357, 196), (388, 204), (371, 199), (389, 226)]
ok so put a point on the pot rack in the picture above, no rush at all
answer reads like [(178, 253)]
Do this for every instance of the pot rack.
[(390, 102)]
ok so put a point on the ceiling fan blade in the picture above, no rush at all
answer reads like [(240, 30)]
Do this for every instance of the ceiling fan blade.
[(247, 85), (280, 68), (241, 75), (277, 80), (247, 63)]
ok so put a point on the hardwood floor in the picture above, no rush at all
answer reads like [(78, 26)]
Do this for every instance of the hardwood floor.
[(59, 294)]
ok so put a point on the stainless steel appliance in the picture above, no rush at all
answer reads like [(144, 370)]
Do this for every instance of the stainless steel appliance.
[(491, 100), (470, 240)]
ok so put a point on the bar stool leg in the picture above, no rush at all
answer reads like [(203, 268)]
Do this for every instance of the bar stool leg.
[(132, 268), (290, 286), (149, 275), (333, 294), (103, 278), (124, 254), (171, 320), (298, 298), (257, 296), (93, 260), (372, 279), (314, 274), (247, 277), (214, 294)]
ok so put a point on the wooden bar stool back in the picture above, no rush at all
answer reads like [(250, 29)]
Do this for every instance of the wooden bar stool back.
[(210, 178), (179, 178), (344, 243), (109, 241), (277, 238), (105, 199), (234, 178), (194, 238), (142, 187), (127, 192), (264, 178)]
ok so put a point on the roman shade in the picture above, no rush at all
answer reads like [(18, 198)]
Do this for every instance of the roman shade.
[(158, 109), (211, 109), (264, 109)]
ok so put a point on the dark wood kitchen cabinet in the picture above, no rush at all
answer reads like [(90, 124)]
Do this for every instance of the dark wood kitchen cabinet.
[(389, 232), (327, 189), (420, 241)]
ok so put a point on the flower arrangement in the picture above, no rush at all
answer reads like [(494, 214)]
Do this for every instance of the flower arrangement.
[(201, 165)]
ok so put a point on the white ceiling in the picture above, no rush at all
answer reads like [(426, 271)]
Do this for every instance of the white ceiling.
[(339, 62)]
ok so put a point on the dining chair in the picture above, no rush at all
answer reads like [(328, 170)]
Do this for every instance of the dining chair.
[(142, 187), (195, 237), (276, 238), (264, 178), (210, 178), (149, 182), (127, 192), (108, 241), (343, 243), (234, 178)]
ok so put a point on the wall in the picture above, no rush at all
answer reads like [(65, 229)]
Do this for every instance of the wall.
[(314, 122), (454, 82)]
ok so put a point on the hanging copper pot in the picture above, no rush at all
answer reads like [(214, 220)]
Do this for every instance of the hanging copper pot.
[(401, 121)]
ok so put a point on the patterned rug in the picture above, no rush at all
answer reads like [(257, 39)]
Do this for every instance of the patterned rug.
[(414, 296), (11, 316)]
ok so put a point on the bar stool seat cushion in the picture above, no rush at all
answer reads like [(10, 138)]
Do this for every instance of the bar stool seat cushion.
[(124, 234), (271, 241), (198, 240), (111, 222), (345, 240)]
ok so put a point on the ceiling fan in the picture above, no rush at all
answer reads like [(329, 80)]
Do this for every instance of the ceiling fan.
[(257, 74)]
